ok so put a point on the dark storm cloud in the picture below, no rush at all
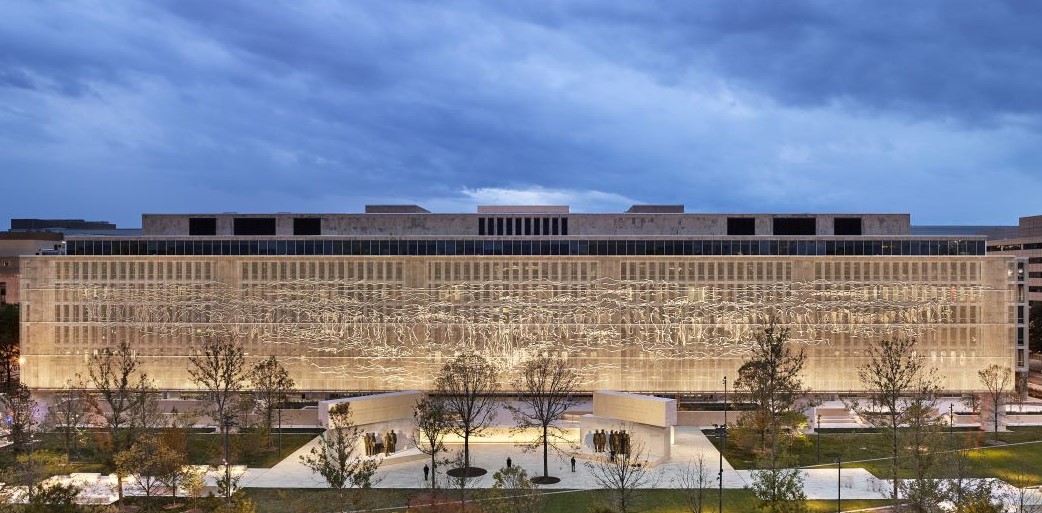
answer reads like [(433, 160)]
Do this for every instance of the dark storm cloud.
[(961, 59), (323, 106)]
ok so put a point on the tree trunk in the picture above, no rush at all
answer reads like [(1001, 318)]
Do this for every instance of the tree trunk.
[(546, 471), (466, 450), (893, 455), (227, 464), (434, 470), (995, 410)]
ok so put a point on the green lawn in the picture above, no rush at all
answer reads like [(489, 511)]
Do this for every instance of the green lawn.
[(203, 448), (1020, 460), (672, 501), (85, 461), (206, 448), (653, 501)]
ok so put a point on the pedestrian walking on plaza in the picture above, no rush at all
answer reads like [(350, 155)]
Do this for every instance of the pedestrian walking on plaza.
[(509, 463), (426, 472), (573, 463)]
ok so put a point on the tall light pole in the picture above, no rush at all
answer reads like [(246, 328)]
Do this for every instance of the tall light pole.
[(839, 483), (817, 433), (951, 418), (720, 472), (722, 431)]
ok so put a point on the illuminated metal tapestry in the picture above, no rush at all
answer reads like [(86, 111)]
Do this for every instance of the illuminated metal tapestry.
[(375, 323)]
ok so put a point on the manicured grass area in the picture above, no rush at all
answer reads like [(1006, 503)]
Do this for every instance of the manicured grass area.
[(850, 446), (206, 448), (85, 461), (203, 448), (1020, 462), (672, 501), (274, 500), (653, 501)]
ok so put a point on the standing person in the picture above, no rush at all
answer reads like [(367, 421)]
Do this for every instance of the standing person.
[(573, 463), (509, 463), (426, 471)]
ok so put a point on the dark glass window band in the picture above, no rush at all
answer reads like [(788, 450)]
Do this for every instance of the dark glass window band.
[(486, 247)]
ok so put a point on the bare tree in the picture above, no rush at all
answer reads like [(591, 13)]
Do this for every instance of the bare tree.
[(124, 389), (694, 481), (334, 457), (271, 384), (545, 386), (998, 382), (147, 417), (458, 479), (891, 373), (117, 377), (922, 443), (219, 367), (467, 385), (959, 480), (969, 494), (9, 326), (1022, 478), (18, 410), (70, 412), (623, 477), (771, 381), (432, 421)]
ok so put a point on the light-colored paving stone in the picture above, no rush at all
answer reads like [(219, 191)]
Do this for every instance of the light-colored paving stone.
[(689, 445)]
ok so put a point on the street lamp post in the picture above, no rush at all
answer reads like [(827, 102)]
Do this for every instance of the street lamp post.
[(722, 432), (720, 472), (817, 434), (839, 483), (951, 417)]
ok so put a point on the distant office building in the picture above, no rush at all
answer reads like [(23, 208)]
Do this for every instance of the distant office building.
[(653, 299), (41, 237), (15, 245), (1024, 241), (58, 225)]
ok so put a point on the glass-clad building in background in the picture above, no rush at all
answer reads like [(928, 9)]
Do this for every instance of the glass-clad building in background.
[(653, 299)]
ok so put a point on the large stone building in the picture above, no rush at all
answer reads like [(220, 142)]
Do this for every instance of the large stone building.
[(1023, 240), (12, 247), (653, 299)]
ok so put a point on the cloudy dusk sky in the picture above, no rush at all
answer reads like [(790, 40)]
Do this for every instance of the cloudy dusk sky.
[(109, 109)]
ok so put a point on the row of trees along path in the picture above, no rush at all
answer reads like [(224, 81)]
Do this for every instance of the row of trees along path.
[(117, 394), (901, 402)]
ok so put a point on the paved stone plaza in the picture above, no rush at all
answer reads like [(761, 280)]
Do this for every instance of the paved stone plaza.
[(690, 444), (405, 468)]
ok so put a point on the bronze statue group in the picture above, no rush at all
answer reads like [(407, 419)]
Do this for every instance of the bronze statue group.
[(373, 445), (615, 442)]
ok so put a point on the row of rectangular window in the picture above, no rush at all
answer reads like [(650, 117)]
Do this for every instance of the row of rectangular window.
[(526, 247), (1015, 247), (522, 226)]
